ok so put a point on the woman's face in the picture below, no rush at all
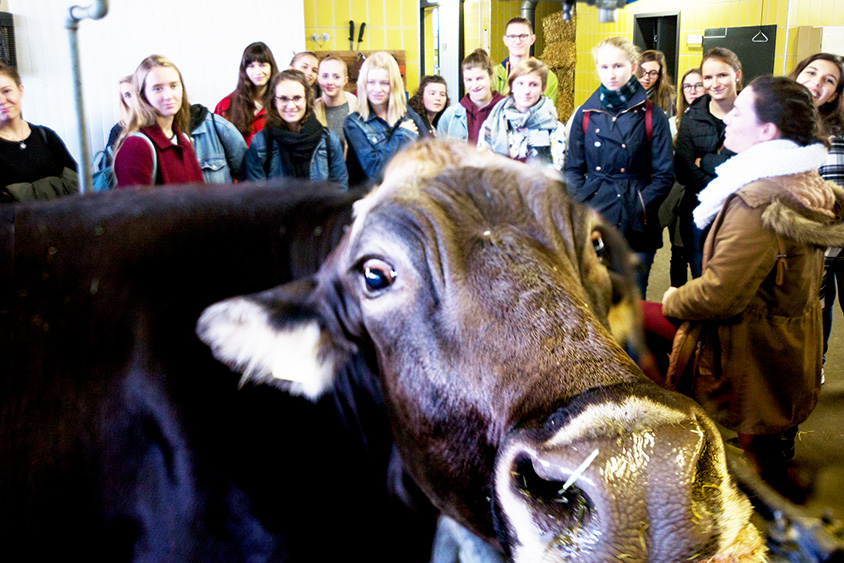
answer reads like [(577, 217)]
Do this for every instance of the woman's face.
[(720, 80), (378, 87), (650, 74), (163, 90), (309, 65), (821, 77), (692, 87), (434, 97), (614, 70), (259, 73), (527, 89), (478, 84), (332, 78), (10, 99), (290, 101), (743, 129), (127, 92)]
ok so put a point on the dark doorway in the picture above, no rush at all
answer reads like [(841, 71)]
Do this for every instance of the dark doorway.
[(660, 32)]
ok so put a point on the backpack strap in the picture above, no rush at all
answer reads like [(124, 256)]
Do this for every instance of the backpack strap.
[(649, 120), (154, 155), (586, 115)]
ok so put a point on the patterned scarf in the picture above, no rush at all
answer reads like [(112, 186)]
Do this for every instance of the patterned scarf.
[(617, 99)]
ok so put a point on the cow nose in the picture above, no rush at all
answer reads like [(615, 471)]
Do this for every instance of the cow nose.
[(649, 494)]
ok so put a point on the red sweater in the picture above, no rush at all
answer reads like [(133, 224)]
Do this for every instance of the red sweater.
[(257, 123), (177, 164)]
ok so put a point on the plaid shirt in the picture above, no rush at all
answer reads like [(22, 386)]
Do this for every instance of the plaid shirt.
[(833, 169)]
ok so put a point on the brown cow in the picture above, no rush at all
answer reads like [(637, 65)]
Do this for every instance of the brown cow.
[(476, 283)]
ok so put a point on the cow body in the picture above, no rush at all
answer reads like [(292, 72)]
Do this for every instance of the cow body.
[(122, 439), (476, 284)]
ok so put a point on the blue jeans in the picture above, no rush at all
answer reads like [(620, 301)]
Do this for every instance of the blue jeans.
[(646, 260), (693, 239)]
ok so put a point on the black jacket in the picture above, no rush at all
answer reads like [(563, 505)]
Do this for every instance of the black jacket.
[(701, 135)]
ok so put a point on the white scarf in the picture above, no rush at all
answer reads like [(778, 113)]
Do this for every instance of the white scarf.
[(779, 157)]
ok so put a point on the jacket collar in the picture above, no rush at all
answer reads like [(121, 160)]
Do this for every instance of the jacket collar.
[(156, 135), (789, 215), (594, 102)]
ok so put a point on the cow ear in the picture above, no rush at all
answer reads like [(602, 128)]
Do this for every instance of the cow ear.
[(275, 337), (625, 318)]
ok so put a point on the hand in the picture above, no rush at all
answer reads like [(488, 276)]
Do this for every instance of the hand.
[(408, 124), (668, 292), (697, 162)]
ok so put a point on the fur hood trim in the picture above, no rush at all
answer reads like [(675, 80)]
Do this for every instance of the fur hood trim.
[(791, 219), (779, 157)]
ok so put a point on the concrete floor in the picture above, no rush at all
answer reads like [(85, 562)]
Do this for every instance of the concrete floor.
[(820, 443)]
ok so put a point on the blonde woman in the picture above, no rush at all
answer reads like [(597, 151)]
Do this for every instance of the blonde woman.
[(620, 158), (383, 123), (334, 104), (126, 94), (154, 148)]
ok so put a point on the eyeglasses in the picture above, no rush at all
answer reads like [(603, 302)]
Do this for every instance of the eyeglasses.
[(651, 73), (690, 87), (285, 100), (522, 37)]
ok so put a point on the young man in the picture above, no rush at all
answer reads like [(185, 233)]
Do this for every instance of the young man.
[(518, 37)]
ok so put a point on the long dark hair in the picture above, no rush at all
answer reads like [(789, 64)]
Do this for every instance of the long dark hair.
[(241, 111), (274, 118), (417, 101), (789, 106), (832, 112), (664, 93)]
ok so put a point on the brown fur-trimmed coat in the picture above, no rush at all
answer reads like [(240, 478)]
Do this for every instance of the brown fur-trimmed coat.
[(751, 353)]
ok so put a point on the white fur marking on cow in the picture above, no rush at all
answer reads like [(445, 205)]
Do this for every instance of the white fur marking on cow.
[(241, 335)]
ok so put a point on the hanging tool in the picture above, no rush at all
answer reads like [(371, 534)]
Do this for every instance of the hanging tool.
[(360, 34), (351, 35)]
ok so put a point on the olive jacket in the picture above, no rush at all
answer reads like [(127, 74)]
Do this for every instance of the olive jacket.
[(751, 351)]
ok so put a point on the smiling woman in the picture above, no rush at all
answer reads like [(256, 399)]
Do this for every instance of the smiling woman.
[(154, 147), (294, 143)]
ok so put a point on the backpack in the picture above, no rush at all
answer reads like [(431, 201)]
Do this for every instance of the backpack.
[(103, 179)]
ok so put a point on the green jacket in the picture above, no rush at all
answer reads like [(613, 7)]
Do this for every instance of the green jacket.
[(501, 76)]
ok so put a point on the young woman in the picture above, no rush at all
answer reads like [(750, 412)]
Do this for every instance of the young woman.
[(154, 147), (823, 75), (524, 125), (34, 162), (617, 163), (655, 80), (692, 87), (126, 95), (383, 123), (308, 63), (751, 353), (698, 148), (429, 101), (335, 104), (244, 107), (463, 121), (294, 143)]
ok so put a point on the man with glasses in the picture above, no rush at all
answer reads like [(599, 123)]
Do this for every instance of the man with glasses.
[(518, 37)]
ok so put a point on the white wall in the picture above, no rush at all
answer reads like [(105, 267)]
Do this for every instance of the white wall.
[(204, 38)]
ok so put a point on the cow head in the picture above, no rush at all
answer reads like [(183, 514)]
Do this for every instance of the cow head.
[(495, 307)]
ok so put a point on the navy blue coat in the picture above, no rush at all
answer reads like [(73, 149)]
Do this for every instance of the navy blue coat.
[(612, 169)]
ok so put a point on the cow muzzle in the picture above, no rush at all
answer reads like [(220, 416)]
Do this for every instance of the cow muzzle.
[(633, 480)]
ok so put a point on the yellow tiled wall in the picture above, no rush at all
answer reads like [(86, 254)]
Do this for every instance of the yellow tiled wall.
[(390, 24), (695, 17)]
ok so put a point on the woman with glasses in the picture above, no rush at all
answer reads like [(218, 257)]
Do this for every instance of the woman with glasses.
[(656, 82), (692, 89), (383, 122), (699, 146), (823, 75), (294, 143)]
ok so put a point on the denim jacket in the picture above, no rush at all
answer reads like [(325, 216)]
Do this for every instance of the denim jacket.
[(327, 162), (220, 150), (372, 142), (454, 123)]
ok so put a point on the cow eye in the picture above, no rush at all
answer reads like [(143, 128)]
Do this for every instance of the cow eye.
[(378, 275), (598, 245)]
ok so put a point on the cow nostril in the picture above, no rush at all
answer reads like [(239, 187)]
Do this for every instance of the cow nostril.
[(560, 508)]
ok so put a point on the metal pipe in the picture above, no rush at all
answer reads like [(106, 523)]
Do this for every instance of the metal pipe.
[(528, 11), (76, 14)]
